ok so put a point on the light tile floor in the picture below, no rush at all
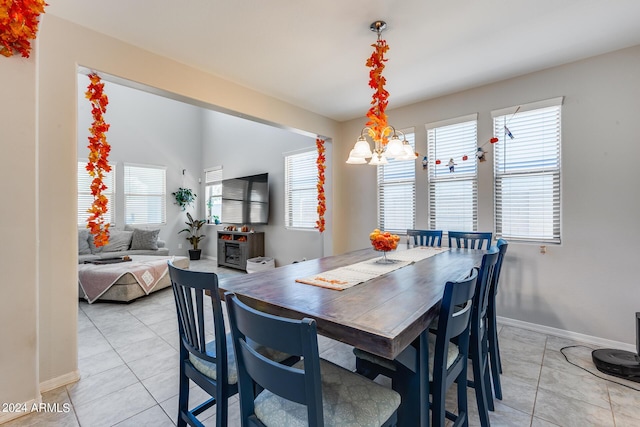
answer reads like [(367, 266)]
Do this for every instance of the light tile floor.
[(128, 361)]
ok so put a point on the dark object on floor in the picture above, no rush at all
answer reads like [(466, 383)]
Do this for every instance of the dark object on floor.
[(620, 363)]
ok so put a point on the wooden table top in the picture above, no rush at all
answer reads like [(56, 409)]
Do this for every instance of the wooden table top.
[(382, 316)]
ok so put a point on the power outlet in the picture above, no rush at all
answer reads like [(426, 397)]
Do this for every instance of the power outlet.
[(179, 245)]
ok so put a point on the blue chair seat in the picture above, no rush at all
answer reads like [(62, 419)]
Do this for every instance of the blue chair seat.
[(452, 355), (209, 368), (348, 399)]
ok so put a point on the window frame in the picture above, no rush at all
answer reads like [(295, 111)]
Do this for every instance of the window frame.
[(436, 177), (409, 134), (554, 172), (309, 170), (162, 196), (212, 178)]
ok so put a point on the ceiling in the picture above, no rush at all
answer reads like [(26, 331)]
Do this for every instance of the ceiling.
[(312, 54)]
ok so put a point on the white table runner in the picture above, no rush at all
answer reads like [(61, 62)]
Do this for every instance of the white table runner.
[(351, 275)]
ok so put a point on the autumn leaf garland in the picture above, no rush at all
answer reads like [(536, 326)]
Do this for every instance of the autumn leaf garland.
[(322, 201), (98, 163), (19, 25), (377, 117)]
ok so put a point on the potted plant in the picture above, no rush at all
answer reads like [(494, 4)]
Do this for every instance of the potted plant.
[(216, 219), (194, 236), (184, 197)]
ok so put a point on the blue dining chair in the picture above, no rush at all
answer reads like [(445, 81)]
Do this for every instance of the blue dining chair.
[(211, 365), (424, 237), (470, 239), (494, 347), (448, 352), (312, 392), (478, 344)]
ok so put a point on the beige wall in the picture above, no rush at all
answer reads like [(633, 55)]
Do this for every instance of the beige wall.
[(588, 284), (18, 255)]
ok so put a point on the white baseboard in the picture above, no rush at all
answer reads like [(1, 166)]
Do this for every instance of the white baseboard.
[(8, 416), (60, 381), (574, 336), (213, 258)]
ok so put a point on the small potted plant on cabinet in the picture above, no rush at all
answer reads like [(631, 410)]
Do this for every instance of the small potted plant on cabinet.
[(194, 236)]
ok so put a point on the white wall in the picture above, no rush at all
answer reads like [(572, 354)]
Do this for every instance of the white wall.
[(148, 129), (18, 228), (588, 284), (245, 148)]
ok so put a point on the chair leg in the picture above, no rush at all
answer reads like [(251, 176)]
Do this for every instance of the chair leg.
[(479, 381), (463, 406), (494, 356), (222, 406), (183, 397)]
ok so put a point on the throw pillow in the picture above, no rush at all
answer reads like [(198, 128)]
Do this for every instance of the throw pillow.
[(118, 241), (83, 242), (145, 239)]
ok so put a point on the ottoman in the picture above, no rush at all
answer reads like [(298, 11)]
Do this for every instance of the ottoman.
[(126, 281)]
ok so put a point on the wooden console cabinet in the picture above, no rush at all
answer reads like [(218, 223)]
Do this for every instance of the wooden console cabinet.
[(236, 247)]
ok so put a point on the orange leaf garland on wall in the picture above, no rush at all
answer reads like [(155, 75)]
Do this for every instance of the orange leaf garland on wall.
[(322, 201), (98, 163), (19, 25)]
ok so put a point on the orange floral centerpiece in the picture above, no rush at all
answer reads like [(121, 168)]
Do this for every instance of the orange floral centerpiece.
[(384, 241)]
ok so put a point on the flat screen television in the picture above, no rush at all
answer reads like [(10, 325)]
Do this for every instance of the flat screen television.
[(245, 200)]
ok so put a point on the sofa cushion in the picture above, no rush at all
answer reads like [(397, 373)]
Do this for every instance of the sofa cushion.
[(145, 239), (118, 241), (83, 242)]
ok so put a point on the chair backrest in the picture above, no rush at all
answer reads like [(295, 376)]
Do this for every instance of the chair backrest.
[(194, 324), (470, 239), (425, 237), (295, 337), (454, 319), (483, 286), (502, 245)]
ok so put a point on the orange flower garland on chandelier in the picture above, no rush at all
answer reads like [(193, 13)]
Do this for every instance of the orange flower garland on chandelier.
[(98, 163), (18, 25), (378, 128), (322, 201)]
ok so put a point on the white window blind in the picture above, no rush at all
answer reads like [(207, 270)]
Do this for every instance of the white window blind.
[(453, 196), (145, 194), (527, 173), (85, 198), (397, 193), (301, 191), (213, 192)]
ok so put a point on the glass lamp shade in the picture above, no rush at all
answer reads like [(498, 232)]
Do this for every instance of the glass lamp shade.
[(378, 159), (361, 149), (408, 153), (352, 160), (394, 148)]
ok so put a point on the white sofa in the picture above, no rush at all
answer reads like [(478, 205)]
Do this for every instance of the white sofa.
[(135, 241)]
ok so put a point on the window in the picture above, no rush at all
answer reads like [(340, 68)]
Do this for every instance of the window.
[(213, 193), (301, 191), (453, 196), (144, 194), (397, 193), (85, 198), (527, 172)]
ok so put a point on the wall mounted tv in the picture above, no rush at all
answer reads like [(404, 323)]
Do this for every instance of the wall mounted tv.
[(245, 200)]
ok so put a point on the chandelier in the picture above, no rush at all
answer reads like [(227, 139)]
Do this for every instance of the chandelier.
[(386, 139)]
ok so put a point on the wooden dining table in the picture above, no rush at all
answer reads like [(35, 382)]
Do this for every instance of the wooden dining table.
[(383, 315)]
